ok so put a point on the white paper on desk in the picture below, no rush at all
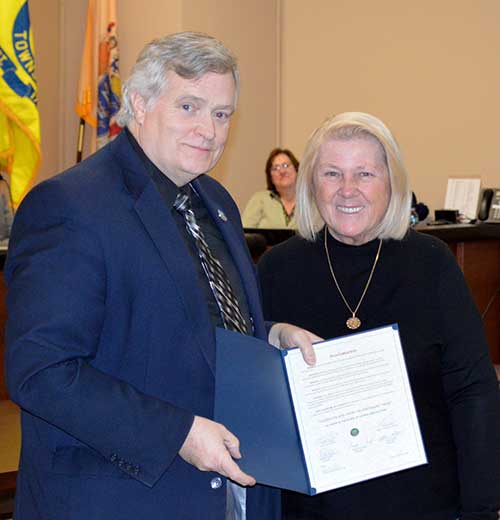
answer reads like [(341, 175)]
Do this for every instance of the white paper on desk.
[(354, 409), (463, 195)]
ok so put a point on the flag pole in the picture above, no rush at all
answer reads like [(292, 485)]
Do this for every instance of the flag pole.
[(79, 144), (99, 78)]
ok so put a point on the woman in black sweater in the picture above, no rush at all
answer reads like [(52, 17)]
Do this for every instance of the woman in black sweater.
[(357, 266)]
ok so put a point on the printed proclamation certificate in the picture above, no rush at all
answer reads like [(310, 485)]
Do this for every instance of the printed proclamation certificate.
[(354, 409)]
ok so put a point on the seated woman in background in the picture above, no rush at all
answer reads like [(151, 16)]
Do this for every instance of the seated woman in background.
[(274, 208), (356, 265)]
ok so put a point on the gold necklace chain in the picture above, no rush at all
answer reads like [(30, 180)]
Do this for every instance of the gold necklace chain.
[(353, 322)]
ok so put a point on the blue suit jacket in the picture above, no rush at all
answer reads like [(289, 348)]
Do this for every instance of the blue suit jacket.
[(110, 347)]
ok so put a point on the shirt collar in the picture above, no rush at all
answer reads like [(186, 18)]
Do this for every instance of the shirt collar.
[(168, 189)]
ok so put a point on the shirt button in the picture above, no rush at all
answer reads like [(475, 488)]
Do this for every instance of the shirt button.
[(216, 483)]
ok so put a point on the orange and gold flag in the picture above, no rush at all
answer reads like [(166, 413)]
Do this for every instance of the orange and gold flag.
[(99, 89), (19, 118)]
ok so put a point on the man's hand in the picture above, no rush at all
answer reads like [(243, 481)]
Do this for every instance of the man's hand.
[(285, 335), (209, 446)]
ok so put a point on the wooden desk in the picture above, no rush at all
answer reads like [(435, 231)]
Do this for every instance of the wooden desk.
[(477, 250), (10, 446), (3, 319), (10, 436)]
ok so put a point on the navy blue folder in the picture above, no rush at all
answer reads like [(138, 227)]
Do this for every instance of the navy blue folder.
[(252, 400)]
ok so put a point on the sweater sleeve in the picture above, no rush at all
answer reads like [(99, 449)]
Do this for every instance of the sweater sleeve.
[(253, 213), (472, 394)]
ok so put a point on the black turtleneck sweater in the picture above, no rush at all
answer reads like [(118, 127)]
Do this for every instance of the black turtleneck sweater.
[(417, 284)]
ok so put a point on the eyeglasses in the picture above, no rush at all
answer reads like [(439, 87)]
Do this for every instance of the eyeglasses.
[(278, 167)]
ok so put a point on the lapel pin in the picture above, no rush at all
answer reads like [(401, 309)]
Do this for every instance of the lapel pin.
[(221, 215)]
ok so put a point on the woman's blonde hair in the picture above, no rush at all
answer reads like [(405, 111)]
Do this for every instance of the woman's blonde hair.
[(345, 126)]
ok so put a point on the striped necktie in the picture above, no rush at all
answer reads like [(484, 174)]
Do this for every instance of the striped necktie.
[(223, 293)]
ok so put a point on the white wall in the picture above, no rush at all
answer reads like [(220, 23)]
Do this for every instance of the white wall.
[(430, 70), (45, 23), (248, 28)]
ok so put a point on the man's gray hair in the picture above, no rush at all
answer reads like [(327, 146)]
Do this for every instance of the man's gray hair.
[(188, 54)]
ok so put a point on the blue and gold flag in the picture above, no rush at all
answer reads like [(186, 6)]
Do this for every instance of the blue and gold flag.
[(19, 118), (99, 88)]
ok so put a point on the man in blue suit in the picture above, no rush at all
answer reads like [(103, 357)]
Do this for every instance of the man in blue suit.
[(110, 337)]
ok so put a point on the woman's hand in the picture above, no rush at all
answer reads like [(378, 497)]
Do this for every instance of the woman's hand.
[(285, 335)]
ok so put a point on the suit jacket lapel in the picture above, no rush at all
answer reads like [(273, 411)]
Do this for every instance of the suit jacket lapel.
[(163, 231), (240, 254)]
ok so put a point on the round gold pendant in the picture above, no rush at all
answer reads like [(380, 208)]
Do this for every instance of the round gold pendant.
[(353, 323)]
